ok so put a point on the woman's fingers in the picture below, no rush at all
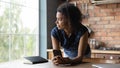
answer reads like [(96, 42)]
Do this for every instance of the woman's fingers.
[(55, 62), (58, 60)]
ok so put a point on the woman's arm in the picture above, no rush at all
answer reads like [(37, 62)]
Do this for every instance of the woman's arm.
[(55, 43), (56, 47), (81, 49)]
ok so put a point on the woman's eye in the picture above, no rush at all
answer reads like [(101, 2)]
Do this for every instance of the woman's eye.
[(60, 19)]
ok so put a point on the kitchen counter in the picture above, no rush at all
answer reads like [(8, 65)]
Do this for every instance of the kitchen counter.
[(87, 63), (107, 54)]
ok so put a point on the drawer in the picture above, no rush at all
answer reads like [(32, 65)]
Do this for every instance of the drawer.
[(107, 56)]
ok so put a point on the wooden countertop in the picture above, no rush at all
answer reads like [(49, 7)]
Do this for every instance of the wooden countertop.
[(96, 51), (85, 64), (105, 51), (50, 50)]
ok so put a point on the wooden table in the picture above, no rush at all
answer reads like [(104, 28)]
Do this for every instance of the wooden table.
[(19, 64), (87, 64)]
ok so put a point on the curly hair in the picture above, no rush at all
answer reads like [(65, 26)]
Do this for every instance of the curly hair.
[(71, 12)]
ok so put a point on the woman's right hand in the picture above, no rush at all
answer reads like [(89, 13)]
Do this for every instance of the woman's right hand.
[(57, 60), (60, 60)]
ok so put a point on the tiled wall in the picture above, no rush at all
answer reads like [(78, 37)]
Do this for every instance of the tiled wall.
[(104, 20)]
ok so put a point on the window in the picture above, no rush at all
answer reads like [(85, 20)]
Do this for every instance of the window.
[(19, 29)]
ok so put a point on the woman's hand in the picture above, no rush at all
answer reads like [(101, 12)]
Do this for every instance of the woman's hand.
[(57, 60), (60, 60)]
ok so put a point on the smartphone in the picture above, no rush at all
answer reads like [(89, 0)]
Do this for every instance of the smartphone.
[(57, 53)]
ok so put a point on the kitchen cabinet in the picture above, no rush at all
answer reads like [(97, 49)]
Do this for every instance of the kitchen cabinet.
[(105, 54), (95, 54), (49, 54)]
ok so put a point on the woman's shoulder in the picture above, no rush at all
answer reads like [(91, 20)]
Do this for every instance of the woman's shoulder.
[(56, 30), (83, 28)]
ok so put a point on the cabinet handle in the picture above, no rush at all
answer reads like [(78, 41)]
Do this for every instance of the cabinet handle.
[(104, 57), (111, 57), (118, 57)]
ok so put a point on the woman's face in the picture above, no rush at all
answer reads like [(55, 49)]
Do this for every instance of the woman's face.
[(61, 21)]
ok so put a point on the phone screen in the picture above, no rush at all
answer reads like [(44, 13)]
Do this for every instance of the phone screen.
[(57, 53)]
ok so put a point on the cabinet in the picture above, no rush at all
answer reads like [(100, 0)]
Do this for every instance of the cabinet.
[(108, 56), (49, 54), (105, 54), (95, 54)]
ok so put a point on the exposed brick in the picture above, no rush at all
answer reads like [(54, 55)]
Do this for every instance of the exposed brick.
[(116, 38), (91, 7), (91, 13), (108, 18), (108, 29), (99, 14), (118, 13), (115, 22), (114, 42), (102, 22), (94, 19), (111, 14), (97, 7), (109, 26), (97, 10), (112, 6), (85, 20), (106, 38), (117, 17), (100, 29), (99, 34), (117, 10), (92, 22), (106, 10), (103, 6), (114, 34), (115, 29), (97, 26)]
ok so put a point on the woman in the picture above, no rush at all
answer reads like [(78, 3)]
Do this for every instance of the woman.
[(70, 34)]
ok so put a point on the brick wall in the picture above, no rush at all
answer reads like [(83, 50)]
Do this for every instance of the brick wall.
[(104, 20)]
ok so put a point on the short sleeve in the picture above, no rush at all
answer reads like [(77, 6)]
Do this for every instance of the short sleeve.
[(55, 33), (83, 30)]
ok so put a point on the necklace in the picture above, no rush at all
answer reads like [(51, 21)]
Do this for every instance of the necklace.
[(69, 34)]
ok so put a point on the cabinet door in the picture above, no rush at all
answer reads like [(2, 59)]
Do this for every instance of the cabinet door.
[(114, 56), (107, 56), (100, 56), (50, 55)]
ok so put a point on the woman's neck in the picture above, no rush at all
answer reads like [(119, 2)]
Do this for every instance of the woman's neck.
[(68, 31)]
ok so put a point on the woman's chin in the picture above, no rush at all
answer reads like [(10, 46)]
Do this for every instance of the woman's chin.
[(58, 27)]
